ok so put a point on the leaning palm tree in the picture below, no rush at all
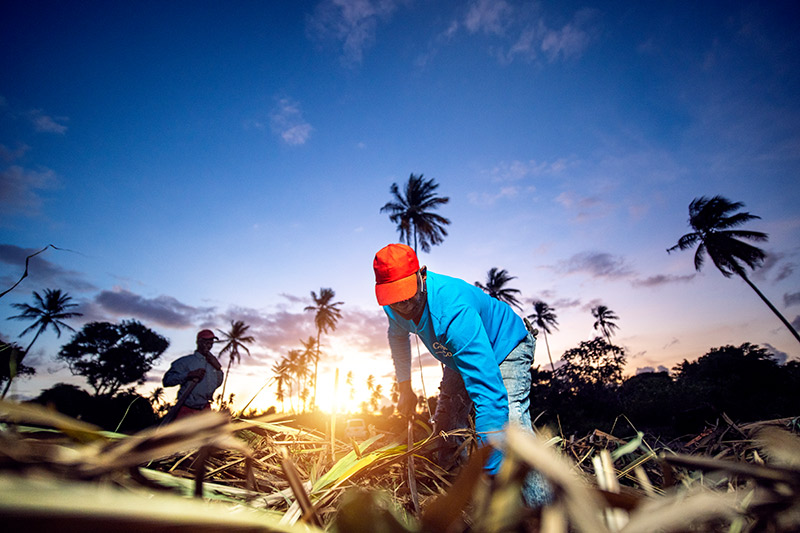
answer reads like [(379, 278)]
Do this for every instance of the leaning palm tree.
[(605, 320), (326, 317), (713, 221), (50, 311), (544, 316), (411, 211), (236, 338), (496, 280)]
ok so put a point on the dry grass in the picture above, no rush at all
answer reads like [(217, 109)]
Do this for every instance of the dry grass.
[(210, 473)]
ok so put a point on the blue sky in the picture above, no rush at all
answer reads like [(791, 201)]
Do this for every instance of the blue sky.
[(211, 161)]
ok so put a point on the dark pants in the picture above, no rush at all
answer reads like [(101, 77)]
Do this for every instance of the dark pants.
[(189, 411)]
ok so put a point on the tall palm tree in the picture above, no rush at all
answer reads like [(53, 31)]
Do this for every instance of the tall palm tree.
[(349, 382), (496, 280), (411, 211), (50, 311), (235, 339), (605, 320), (295, 371), (713, 221), (281, 376), (311, 356), (544, 317), (326, 317)]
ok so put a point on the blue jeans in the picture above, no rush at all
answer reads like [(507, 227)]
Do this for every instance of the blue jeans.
[(454, 406)]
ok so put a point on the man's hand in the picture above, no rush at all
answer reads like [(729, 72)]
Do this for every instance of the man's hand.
[(407, 404), (196, 375)]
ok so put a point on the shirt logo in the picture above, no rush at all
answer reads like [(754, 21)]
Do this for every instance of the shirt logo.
[(441, 350)]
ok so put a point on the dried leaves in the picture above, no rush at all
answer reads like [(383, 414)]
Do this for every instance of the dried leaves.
[(262, 475)]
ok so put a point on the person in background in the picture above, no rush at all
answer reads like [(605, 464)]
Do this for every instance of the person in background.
[(199, 375), (486, 349)]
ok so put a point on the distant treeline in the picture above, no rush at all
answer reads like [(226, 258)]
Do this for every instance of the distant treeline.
[(745, 382)]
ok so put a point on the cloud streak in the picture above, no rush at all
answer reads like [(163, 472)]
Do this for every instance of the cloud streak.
[(46, 123), (165, 311), (353, 23), (287, 122), (20, 190), (596, 264)]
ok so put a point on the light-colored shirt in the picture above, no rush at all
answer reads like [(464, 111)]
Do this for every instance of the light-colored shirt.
[(203, 392)]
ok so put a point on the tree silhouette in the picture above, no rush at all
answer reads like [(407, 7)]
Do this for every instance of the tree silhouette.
[(350, 384), (411, 212), (112, 355), (496, 280), (594, 362), (50, 311), (326, 317), (745, 382), (544, 317), (713, 221), (10, 354), (605, 321), (281, 376), (297, 369), (235, 339), (375, 397)]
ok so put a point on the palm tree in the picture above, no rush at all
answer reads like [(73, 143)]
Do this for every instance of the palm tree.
[(157, 396), (237, 338), (605, 320), (311, 355), (411, 211), (349, 382), (375, 397), (544, 317), (297, 369), (327, 314), (495, 287), (50, 311), (713, 221), (281, 371)]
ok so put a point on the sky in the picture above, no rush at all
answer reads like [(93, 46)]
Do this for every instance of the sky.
[(202, 162)]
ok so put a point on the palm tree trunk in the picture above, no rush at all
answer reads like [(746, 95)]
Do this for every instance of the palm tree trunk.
[(225, 380), (552, 366), (10, 376), (316, 363), (769, 304)]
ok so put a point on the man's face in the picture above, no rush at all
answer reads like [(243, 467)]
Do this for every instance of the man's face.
[(204, 345), (412, 308)]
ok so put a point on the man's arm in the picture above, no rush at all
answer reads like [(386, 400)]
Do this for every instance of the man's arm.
[(177, 374), (400, 346), (474, 358)]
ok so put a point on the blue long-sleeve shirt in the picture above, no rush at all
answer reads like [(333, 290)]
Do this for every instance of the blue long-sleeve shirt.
[(203, 392), (469, 331)]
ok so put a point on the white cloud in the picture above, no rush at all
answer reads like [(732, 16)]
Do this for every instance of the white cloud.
[(287, 121), (517, 170), (488, 16), (490, 199), (46, 123), (20, 188), (572, 39), (9, 155), (351, 22)]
